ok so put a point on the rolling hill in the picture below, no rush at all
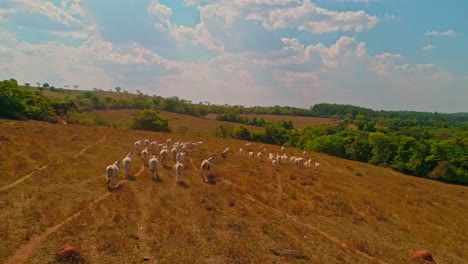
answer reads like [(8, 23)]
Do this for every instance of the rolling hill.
[(53, 193)]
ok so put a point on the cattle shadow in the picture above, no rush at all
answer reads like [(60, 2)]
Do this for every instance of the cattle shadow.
[(157, 179), (183, 185), (131, 178), (116, 187), (212, 179)]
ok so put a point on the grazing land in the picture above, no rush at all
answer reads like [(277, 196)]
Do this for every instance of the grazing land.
[(53, 193), (182, 124), (298, 121)]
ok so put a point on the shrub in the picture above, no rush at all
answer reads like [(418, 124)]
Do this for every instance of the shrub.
[(150, 120)]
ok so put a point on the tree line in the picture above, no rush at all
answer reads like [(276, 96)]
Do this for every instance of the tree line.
[(438, 152)]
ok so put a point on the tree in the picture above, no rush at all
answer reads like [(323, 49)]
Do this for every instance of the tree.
[(10, 100), (383, 148), (21, 103), (45, 85), (75, 86), (150, 120), (38, 84), (118, 89), (241, 132), (27, 84)]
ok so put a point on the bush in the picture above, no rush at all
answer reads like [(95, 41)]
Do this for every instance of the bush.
[(150, 120)]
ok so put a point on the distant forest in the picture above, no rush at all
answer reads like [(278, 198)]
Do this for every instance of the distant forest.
[(423, 144)]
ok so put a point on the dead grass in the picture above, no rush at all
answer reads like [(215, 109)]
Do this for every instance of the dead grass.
[(247, 210), (180, 124)]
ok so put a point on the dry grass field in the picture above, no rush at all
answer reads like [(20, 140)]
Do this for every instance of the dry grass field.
[(298, 121), (53, 193), (181, 124)]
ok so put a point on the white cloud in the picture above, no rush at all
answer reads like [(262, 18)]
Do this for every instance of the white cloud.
[(448, 33), (73, 7), (428, 47), (160, 11), (194, 36), (230, 25), (44, 16), (309, 17), (109, 65)]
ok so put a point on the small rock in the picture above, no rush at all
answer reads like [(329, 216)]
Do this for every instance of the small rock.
[(146, 259)]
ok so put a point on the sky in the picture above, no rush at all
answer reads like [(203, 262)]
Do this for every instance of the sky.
[(379, 54)]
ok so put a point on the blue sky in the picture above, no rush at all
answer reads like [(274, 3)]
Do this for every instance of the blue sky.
[(381, 54)]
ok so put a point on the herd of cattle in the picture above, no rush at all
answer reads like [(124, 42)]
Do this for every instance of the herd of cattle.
[(178, 152)]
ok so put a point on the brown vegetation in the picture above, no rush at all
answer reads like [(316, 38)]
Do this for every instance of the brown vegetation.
[(249, 212)]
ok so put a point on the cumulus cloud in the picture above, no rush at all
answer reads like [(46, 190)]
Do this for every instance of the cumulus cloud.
[(46, 17), (309, 17), (229, 25), (448, 33), (160, 11), (73, 7), (57, 63)]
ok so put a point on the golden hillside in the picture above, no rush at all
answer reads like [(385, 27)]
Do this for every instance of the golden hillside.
[(53, 193)]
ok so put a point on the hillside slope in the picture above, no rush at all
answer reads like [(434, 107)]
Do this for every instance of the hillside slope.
[(53, 193)]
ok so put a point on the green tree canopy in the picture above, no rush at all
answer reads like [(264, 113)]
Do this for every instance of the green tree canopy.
[(150, 120)]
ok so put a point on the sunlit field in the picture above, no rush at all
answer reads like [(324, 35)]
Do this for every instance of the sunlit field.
[(53, 193), (179, 123)]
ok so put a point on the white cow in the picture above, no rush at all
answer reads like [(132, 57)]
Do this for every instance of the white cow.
[(225, 152), (178, 169), (153, 165), (137, 146), (205, 168), (126, 163), (248, 146), (317, 165), (112, 174), (180, 157), (144, 155), (299, 162), (163, 156)]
